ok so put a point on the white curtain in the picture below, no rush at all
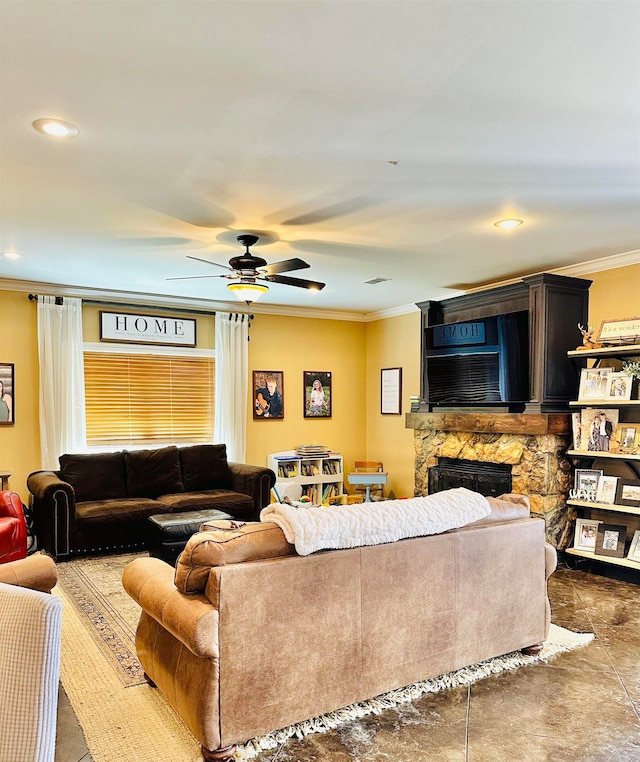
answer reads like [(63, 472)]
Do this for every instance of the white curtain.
[(232, 383), (62, 412)]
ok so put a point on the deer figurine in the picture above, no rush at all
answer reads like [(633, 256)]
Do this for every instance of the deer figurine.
[(587, 337)]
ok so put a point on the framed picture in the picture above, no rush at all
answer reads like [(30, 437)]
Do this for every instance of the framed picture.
[(268, 394), (610, 540), (577, 430), (629, 435), (317, 393), (626, 329), (599, 427), (593, 383), (628, 492), (606, 492), (586, 534), (587, 479), (7, 394), (618, 386), (634, 549), (391, 391)]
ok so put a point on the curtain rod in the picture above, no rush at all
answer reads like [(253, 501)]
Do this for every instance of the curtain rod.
[(125, 305)]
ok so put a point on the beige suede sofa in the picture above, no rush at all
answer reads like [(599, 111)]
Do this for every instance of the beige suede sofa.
[(251, 637)]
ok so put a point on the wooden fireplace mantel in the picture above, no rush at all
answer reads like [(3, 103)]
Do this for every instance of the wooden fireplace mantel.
[(492, 423)]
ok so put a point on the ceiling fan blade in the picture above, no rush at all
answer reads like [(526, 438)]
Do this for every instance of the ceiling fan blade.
[(193, 277), (300, 282), (215, 264), (286, 266)]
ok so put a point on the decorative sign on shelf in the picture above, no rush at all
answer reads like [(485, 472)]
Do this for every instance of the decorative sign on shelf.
[(627, 329), (130, 328)]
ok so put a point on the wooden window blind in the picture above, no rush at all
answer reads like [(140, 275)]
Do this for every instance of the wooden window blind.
[(148, 399)]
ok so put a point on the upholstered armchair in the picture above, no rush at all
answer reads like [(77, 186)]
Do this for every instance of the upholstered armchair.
[(13, 528), (30, 631)]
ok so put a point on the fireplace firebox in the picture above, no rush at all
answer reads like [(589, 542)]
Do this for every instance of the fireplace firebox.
[(489, 479)]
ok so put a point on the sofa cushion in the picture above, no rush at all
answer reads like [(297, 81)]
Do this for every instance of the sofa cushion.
[(205, 467), (115, 511), (95, 476), (227, 542), (153, 472), (221, 499)]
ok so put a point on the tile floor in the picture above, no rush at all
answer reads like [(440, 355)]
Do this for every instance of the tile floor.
[(582, 707)]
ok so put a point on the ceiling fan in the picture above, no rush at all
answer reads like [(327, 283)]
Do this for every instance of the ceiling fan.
[(247, 270)]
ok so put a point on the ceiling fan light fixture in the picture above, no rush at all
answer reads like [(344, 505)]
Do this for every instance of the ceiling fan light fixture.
[(246, 291), (508, 223)]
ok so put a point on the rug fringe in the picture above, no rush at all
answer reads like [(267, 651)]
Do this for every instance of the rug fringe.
[(559, 641)]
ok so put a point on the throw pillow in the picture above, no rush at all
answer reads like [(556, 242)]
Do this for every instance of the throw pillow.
[(151, 473), (96, 476), (205, 467)]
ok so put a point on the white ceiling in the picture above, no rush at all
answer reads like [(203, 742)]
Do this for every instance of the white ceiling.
[(200, 120)]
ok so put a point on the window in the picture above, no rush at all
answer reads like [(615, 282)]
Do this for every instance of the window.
[(146, 399)]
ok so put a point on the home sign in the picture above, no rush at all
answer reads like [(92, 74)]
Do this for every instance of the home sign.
[(147, 329)]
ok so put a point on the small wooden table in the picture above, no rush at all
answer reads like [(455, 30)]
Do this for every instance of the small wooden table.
[(367, 479), (4, 479)]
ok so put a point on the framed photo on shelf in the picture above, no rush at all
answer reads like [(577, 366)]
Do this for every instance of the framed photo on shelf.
[(586, 479), (586, 534), (628, 492), (618, 386), (576, 428), (610, 540), (606, 491), (268, 395), (634, 549), (593, 383), (629, 435), (7, 394), (317, 393), (599, 427)]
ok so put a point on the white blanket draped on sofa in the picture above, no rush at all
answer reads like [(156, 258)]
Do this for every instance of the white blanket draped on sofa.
[(349, 526)]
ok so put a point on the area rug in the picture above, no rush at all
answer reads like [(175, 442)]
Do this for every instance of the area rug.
[(123, 724)]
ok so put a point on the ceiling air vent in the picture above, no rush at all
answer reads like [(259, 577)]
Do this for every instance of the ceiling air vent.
[(375, 281)]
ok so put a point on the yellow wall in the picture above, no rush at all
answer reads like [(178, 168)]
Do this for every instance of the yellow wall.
[(614, 294), (20, 443), (354, 352), (393, 343), (293, 345)]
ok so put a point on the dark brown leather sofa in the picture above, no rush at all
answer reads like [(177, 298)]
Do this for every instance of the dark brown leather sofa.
[(100, 503)]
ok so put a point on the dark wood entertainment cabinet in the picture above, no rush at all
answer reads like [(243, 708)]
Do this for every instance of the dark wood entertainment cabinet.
[(555, 303)]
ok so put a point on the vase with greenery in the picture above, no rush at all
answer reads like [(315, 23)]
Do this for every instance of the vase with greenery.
[(632, 368)]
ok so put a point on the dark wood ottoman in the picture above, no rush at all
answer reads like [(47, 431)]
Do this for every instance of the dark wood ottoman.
[(170, 531)]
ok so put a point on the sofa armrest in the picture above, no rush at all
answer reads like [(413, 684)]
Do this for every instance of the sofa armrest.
[(54, 511), (37, 572), (255, 481), (191, 619), (550, 559)]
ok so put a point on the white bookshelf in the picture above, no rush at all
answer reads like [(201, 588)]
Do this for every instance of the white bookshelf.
[(320, 477)]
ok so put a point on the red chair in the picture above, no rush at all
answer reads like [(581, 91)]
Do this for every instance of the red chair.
[(13, 528)]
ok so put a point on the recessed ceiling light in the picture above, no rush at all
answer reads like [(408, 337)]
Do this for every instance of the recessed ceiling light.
[(508, 224), (11, 255), (56, 128)]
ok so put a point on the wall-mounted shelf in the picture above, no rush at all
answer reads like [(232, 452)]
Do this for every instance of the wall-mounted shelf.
[(605, 403), (604, 506), (605, 559), (621, 350)]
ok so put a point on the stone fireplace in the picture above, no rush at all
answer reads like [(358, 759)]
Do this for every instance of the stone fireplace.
[(533, 445)]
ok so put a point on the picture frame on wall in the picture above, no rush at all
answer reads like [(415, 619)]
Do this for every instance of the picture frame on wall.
[(391, 391), (611, 539), (317, 393), (586, 534), (7, 394), (268, 395)]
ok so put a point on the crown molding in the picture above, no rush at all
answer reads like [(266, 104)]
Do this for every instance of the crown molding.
[(135, 298), (404, 309)]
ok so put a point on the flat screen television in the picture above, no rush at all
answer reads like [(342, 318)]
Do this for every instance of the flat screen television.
[(478, 362)]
